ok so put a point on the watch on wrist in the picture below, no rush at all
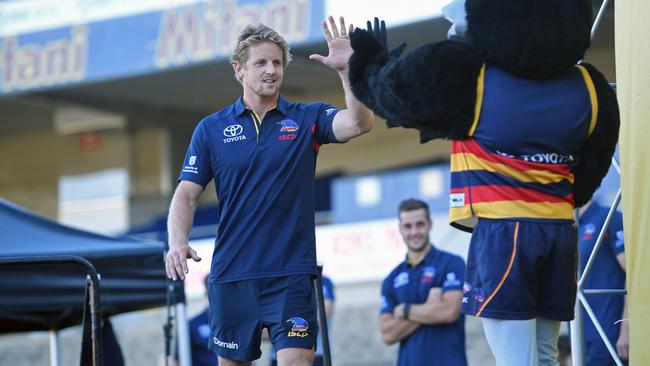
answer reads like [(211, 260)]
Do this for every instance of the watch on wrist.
[(407, 308)]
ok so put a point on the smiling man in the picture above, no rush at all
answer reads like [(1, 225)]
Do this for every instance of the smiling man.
[(421, 297), (261, 152)]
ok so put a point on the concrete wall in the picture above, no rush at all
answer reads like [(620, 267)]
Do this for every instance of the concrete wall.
[(30, 164)]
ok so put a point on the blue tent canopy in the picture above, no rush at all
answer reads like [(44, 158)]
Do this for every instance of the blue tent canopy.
[(47, 296)]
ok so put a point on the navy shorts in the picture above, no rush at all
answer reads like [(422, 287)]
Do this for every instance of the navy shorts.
[(240, 310), (521, 270)]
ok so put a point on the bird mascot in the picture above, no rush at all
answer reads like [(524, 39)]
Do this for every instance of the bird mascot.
[(533, 131)]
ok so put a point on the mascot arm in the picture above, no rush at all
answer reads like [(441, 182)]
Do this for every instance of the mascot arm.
[(600, 146), (432, 89)]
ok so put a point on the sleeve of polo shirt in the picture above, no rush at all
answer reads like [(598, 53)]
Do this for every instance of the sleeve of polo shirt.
[(197, 166), (454, 276), (388, 298), (328, 289), (616, 240), (322, 129)]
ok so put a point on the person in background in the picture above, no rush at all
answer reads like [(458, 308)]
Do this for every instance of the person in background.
[(421, 297), (608, 272)]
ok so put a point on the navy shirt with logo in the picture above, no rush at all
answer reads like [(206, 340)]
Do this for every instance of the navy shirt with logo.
[(606, 272), (264, 177), (438, 344)]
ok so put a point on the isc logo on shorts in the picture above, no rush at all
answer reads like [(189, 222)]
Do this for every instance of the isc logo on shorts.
[(299, 327), (297, 334)]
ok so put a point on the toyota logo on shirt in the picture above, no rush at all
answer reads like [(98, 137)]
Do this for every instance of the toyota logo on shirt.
[(233, 130)]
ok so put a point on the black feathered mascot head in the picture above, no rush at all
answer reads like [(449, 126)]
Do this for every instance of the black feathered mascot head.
[(508, 82), (536, 39)]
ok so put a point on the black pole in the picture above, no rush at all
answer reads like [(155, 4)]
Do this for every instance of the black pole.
[(167, 327), (322, 317), (92, 288), (91, 351)]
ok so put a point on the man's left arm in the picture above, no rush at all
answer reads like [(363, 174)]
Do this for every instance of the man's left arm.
[(356, 119)]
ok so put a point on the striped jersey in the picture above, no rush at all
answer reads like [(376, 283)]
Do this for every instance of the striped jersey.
[(525, 138)]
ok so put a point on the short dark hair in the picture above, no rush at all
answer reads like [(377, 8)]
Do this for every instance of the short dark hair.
[(413, 204)]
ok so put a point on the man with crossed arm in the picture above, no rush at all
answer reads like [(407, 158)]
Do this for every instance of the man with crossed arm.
[(421, 297)]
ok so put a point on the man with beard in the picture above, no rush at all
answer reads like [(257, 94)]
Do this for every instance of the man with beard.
[(421, 297)]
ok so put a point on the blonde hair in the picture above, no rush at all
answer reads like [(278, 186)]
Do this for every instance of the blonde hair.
[(255, 34)]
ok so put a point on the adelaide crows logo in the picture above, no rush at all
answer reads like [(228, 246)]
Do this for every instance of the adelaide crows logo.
[(299, 327), (288, 129), (288, 126)]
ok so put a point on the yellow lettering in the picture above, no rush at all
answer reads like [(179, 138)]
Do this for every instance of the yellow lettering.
[(297, 334)]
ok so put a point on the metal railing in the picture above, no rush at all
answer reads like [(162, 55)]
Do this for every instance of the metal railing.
[(92, 287), (577, 325)]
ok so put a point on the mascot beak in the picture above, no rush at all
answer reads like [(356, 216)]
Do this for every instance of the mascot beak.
[(455, 13)]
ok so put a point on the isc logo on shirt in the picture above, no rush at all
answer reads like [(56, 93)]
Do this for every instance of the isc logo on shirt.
[(456, 199)]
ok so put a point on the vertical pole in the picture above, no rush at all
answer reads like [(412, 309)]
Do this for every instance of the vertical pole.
[(184, 352), (322, 317), (577, 324), (55, 359), (92, 281)]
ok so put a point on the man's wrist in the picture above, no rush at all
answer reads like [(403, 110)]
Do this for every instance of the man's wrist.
[(406, 309), (178, 244)]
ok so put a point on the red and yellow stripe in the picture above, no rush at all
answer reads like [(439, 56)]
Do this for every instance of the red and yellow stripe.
[(469, 152)]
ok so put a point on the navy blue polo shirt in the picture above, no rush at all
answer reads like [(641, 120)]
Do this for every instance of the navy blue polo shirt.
[(264, 177), (606, 272), (439, 344)]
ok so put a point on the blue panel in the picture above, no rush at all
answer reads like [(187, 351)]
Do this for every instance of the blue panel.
[(395, 187)]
